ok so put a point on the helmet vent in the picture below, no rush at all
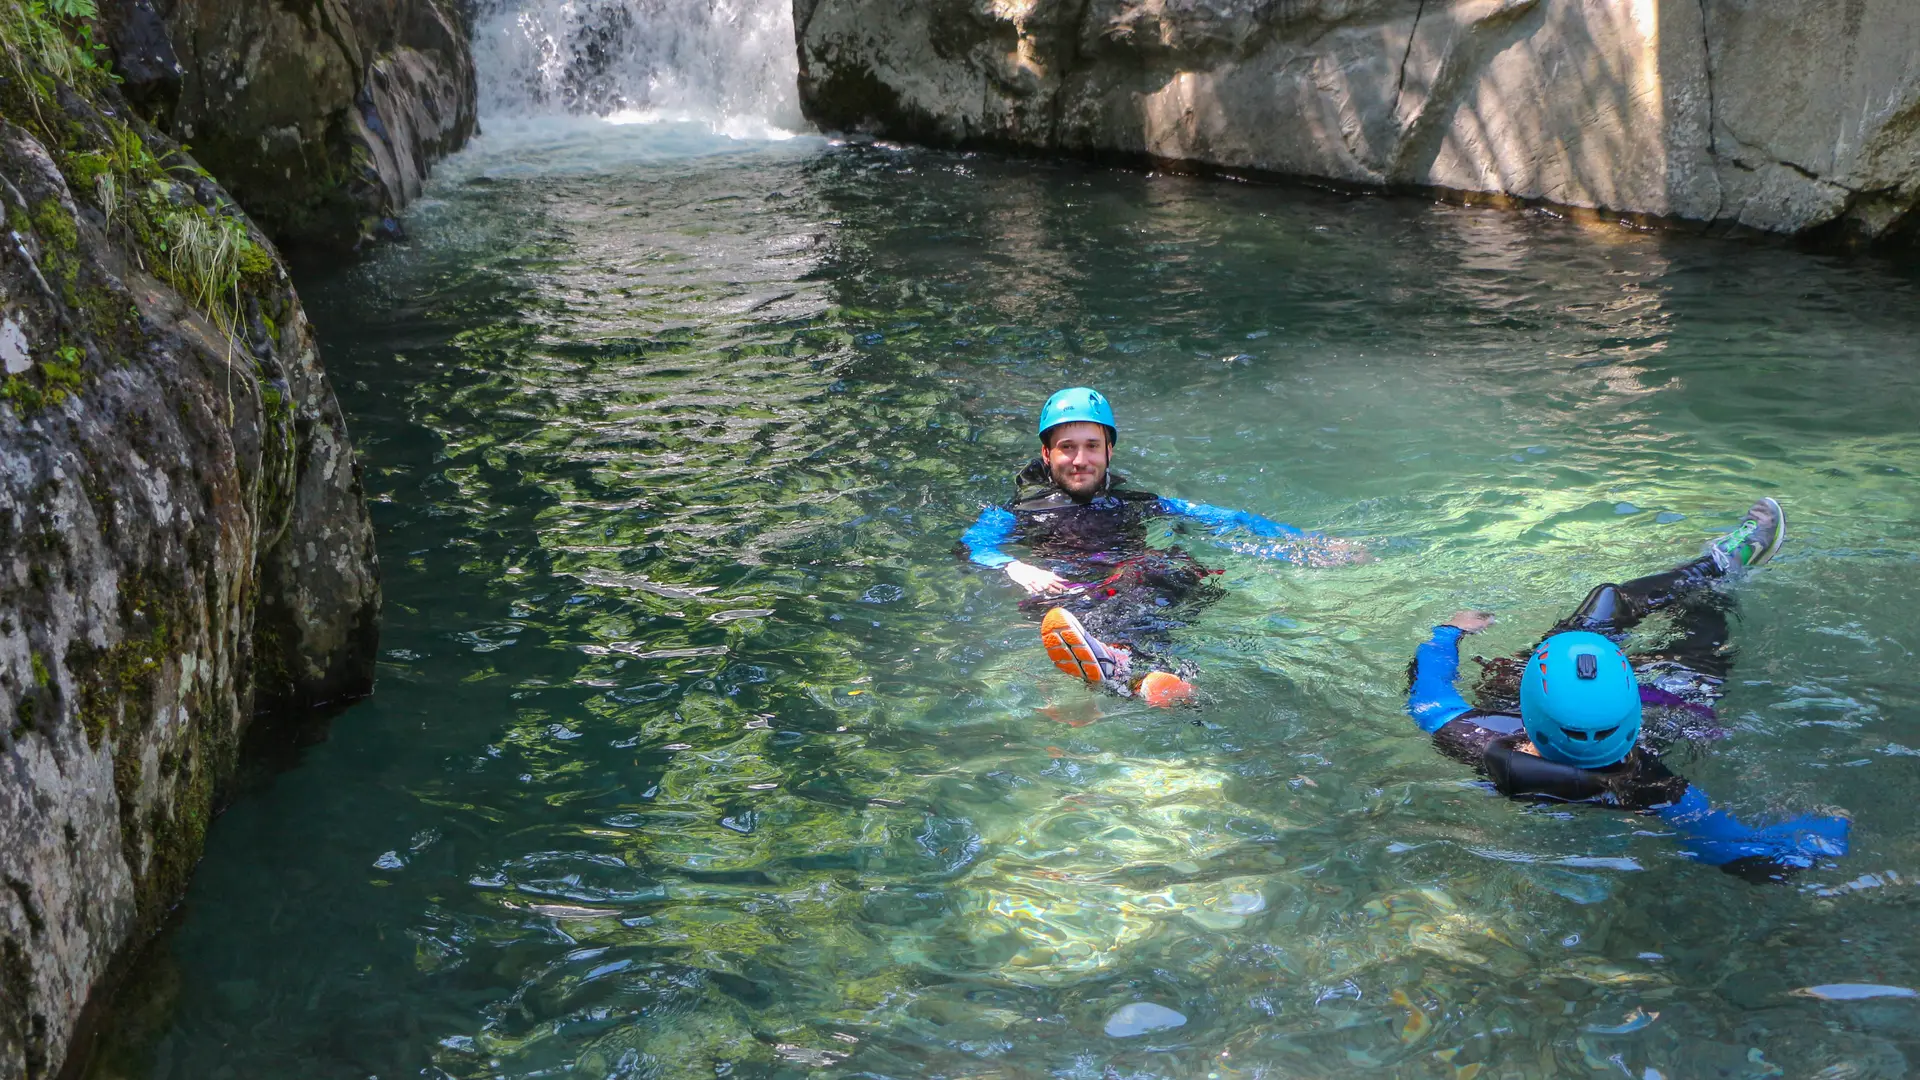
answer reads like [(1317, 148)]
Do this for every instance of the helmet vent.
[(1607, 734), (1587, 666), (1576, 735)]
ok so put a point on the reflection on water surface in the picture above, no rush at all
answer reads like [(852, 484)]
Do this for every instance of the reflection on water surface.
[(697, 752)]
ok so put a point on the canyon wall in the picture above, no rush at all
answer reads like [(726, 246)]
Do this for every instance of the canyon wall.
[(183, 536), (1782, 117)]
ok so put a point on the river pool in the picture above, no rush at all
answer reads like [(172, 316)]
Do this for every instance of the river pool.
[(697, 752)]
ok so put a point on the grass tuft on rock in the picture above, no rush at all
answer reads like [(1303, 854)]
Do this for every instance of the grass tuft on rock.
[(151, 196), (37, 36)]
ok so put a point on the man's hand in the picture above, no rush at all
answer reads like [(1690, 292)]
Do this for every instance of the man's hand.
[(1036, 581), (1471, 621)]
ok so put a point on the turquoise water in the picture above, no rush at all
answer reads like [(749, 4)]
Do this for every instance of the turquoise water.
[(697, 752)]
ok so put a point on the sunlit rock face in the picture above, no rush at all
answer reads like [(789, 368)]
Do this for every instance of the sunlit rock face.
[(322, 119), (1784, 118), (183, 535)]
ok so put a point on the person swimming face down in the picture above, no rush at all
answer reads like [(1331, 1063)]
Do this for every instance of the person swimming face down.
[(1077, 455)]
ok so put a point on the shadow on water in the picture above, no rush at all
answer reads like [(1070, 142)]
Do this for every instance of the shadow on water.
[(696, 751)]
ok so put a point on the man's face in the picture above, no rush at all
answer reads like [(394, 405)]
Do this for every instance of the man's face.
[(1078, 458)]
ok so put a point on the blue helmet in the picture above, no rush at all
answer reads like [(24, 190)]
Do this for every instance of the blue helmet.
[(1580, 700), (1078, 404)]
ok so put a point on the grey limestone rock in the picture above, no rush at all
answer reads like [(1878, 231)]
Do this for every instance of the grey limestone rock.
[(183, 537), (322, 117), (1781, 117)]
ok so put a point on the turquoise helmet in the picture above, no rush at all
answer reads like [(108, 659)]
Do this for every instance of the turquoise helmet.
[(1580, 700), (1078, 404)]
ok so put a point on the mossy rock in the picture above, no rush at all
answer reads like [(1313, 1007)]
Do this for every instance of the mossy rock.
[(180, 449)]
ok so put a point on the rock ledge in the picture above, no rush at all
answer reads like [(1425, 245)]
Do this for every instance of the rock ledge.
[(1789, 118)]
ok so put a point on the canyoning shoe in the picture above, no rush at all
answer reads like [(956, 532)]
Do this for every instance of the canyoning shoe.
[(1165, 689), (1750, 544), (1079, 653)]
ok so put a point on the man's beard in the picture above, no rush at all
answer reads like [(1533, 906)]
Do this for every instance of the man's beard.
[(1094, 483)]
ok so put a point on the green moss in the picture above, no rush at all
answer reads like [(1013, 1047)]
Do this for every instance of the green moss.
[(131, 158), (48, 383), (53, 223), (111, 681), (279, 447), (117, 683), (85, 168), (254, 260), (26, 393), (60, 246), (118, 700), (41, 676)]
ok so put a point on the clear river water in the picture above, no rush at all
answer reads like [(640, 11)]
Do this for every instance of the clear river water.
[(697, 752)]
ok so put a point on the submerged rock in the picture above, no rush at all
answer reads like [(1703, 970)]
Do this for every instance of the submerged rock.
[(182, 532), (1142, 1018), (1779, 117), (322, 119)]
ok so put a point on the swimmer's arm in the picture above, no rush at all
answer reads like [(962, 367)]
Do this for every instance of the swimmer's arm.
[(993, 528), (1717, 838), (1221, 520), (1293, 545), (1432, 699)]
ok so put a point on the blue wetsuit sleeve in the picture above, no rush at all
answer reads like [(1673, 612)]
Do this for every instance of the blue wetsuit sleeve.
[(1717, 838), (993, 528), (1432, 699), (1222, 520)]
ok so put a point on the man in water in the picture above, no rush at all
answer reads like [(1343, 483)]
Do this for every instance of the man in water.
[(1086, 531), (1575, 732)]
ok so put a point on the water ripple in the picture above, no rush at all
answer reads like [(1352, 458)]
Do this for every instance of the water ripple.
[(732, 768)]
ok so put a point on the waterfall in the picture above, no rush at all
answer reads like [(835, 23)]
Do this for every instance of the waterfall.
[(727, 64)]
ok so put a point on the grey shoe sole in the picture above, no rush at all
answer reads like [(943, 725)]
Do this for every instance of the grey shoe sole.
[(1779, 533)]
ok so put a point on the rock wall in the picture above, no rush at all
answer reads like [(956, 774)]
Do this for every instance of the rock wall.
[(182, 531), (322, 117), (1784, 117)]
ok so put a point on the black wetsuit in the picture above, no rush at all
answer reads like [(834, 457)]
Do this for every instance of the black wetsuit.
[(1681, 680), (1126, 591)]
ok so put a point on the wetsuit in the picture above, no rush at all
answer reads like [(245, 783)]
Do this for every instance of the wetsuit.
[(1128, 592), (1686, 678)]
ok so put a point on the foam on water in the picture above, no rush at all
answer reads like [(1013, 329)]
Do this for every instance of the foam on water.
[(729, 65)]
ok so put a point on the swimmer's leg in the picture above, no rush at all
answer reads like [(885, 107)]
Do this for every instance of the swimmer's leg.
[(1080, 654), (1701, 614), (1142, 617), (1754, 542)]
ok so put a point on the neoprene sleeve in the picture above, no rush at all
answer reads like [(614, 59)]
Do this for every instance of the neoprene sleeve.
[(984, 538), (1221, 520), (1716, 837), (1432, 699)]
